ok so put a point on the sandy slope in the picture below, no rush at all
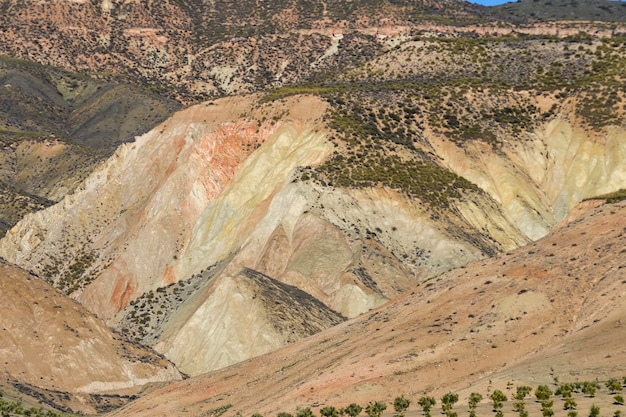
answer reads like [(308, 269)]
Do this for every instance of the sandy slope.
[(553, 308), (52, 345)]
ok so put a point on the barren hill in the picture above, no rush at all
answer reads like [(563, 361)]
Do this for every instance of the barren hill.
[(240, 184), (56, 351), (351, 154), (56, 126), (553, 308)]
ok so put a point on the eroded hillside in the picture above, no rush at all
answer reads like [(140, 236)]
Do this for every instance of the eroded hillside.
[(56, 126), (401, 141), (353, 200), (520, 318), (56, 351)]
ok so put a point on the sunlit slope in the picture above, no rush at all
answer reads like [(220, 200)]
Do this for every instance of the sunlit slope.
[(551, 309)]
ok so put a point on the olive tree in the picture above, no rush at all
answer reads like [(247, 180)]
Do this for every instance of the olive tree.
[(448, 401), (400, 405), (374, 409), (353, 410), (614, 385), (590, 388), (543, 392), (329, 411), (427, 404), (305, 412), (497, 397)]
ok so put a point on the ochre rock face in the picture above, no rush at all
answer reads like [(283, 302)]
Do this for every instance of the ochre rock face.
[(216, 190)]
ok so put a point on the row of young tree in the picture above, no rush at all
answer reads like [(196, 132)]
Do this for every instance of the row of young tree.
[(373, 409), (543, 395)]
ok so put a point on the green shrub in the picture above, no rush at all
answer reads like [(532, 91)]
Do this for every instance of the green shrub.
[(374, 409), (353, 410), (427, 404), (305, 412), (448, 401), (400, 405), (329, 411), (543, 392), (497, 397)]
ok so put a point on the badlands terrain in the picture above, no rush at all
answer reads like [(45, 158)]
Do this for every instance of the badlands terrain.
[(554, 308), (263, 208)]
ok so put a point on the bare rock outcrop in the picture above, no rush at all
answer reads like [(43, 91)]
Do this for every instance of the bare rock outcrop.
[(540, 178), (239, 316)]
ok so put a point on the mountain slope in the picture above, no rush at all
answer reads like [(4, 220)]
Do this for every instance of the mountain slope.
[(532, 314), (224, 188), (534, 10), (391, 150), (86, 366), (55, 127), (207, 51), (239, 316), (436, 153)]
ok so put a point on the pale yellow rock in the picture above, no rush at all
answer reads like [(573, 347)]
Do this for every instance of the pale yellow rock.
[(225, 329), (540, 177)]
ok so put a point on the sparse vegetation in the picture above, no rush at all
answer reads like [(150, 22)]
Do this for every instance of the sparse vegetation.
[(329, 411), (141, 320), (427, 403), (305, 412), (375, 409), (614, 385), (611, 198), (542, 392), (497, 397), (448, 401), (590, 388), (468, 92), (519, 396), (353, 410), (400, 405), (10, 408), (472, 402)]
